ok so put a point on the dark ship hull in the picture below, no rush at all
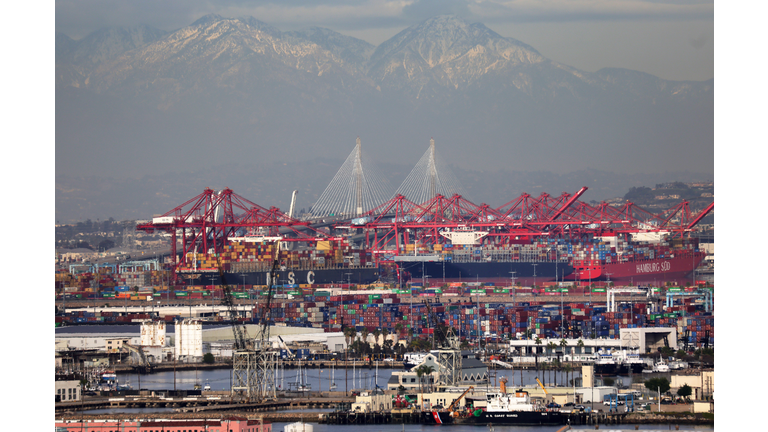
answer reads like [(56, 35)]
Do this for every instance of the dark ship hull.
[(317, 276), (521, 418), (487, 271)]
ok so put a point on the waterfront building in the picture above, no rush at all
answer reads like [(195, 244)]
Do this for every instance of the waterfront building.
[(233, 424), (68, 391)]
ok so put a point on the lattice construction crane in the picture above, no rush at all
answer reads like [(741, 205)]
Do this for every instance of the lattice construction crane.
[(253, 365), (239, 330)]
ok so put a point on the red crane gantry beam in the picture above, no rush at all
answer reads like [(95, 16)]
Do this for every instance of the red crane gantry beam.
[(525, 217), (210, 219)]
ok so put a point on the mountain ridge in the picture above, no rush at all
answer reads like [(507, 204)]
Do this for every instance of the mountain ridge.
[(233, 89)]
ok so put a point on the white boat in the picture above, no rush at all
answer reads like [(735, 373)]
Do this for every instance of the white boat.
[(333, 379), (678, 364), (630, 361), (301, 382), (126, 386), (605, 362), (411, 360), (658, 367), (108, 381)]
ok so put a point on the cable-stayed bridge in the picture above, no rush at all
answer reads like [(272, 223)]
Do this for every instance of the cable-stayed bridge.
[(357, 188), (427, 206)]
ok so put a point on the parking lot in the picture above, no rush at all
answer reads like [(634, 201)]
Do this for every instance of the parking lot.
[(598, 406)]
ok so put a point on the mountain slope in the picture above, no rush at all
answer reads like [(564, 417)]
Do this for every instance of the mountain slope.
[(76, 60), (446, 52), (228, 89), (353, 51)]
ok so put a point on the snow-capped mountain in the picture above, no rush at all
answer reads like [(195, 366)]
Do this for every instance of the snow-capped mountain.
[(254, 90), (446, 51)]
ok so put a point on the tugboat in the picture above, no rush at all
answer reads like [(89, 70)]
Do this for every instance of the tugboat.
[(605, 363), (502, 408), (108, 381), (658, 367), (631, 362)]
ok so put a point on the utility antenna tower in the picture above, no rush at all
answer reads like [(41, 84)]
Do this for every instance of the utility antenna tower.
[(449, 355), (449, 361)]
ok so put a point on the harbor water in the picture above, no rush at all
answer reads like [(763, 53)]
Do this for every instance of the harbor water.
[(345, 380), (278, 427)]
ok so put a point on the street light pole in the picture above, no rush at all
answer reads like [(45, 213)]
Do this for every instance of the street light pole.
[(513, 287)]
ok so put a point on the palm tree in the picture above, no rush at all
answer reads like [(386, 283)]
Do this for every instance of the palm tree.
[(428, 370), (420, 373), (349, 333), (563, 345), (551, 347), (384, 334), (376, 334), (424, 370), (567, 368), (537, 341)]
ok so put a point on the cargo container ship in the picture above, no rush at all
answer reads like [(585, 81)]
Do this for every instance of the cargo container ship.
[(579, 261), (250, 263), (642, 263), (287, 276), (497, 272)]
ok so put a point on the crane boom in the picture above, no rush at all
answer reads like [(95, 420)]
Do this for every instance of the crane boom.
[(264, 316), (454, 403), (285, 346), (238, 329), (701, 215), (542, 386), (569, 203), (140, 351)]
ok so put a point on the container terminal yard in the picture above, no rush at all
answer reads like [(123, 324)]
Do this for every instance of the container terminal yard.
[(452, 297)]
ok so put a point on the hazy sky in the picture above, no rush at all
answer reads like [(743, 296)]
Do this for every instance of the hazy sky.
[(672, 39)]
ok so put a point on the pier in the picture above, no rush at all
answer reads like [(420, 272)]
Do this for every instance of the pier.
[(288, 409)]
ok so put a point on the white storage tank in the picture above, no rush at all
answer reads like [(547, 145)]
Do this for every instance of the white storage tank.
[(153, 333), (298, 427), (188, 340)]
